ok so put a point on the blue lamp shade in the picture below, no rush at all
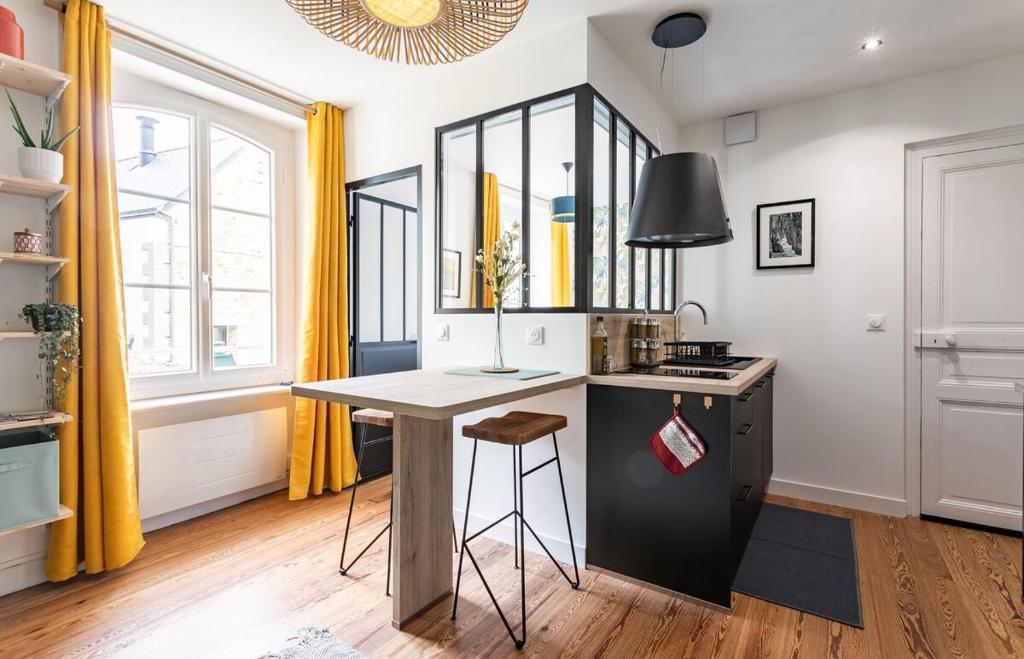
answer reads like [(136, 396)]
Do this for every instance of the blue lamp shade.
[(563, 209)]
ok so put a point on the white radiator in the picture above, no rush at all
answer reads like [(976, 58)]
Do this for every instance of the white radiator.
[(190, 463)]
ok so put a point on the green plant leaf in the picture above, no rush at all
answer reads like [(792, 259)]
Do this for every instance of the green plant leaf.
[(56, 146), (19, 125)]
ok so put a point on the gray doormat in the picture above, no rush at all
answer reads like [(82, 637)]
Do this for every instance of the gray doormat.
[(803, 560), (315, 643)]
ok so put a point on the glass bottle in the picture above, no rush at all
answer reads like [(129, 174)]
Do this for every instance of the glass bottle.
[(598, 347)]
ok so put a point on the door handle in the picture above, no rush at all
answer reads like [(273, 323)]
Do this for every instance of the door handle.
[(745, 493), (745, 429), (950, 340)]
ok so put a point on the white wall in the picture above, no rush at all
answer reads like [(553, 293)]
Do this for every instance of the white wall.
[(396, 130), (839, 390)]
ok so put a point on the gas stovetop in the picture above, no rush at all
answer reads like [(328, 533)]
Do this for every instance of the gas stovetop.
[(676, 372), (724, 361)]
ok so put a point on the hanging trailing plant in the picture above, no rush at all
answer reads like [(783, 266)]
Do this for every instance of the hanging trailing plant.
[(58, 327)]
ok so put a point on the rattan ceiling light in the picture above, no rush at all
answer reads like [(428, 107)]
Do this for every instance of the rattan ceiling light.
[(414, 31)]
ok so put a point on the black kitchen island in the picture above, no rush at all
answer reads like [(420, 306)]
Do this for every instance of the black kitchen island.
[(685, 534)]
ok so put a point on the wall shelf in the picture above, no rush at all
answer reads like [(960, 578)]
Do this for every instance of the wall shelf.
[(53, 263), (33, 78), (17, 335), (48, 419), (53, 193), (64, 513)]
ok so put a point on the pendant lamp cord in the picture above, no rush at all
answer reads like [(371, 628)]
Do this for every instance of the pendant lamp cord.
[(702, 95), (661, 94)]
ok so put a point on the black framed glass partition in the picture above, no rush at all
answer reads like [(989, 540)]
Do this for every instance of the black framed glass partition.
[(562, 169)]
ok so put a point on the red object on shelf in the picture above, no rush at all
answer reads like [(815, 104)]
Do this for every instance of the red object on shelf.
[(12, 37)]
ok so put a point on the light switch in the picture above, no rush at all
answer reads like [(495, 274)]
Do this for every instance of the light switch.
[(535, 336), (441, 332), (876, 322)]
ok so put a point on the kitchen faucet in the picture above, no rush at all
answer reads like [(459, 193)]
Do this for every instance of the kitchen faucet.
[(675, 314)]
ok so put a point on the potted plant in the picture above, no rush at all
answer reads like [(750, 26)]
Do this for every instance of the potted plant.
[(58, 327), (45, 161), (501, 268)]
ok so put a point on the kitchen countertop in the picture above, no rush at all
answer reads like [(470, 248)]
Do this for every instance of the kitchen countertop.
[(733, 387), (1019, 386)]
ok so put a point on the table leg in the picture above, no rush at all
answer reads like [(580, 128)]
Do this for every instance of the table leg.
[(422, 482)]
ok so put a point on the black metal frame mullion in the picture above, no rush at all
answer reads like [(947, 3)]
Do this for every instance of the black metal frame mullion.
[(650, 252), (632, 197), (612, 212), (584, 224), (526, 212), (477, 274)]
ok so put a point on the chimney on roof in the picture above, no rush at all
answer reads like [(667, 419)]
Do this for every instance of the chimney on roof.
[(147, 139)]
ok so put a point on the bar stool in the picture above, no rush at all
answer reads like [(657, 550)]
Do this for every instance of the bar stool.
[(370, 417), (515, 429)]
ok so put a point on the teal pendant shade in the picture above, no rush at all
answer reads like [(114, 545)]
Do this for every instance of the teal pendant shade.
[(563, 209)]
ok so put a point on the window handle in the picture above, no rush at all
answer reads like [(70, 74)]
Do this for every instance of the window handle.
[(208, 282)]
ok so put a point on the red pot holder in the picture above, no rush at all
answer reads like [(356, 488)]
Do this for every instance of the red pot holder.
[(677, 445)]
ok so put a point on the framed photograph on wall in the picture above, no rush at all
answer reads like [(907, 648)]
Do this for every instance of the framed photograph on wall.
[(785, 235), (451, 273)]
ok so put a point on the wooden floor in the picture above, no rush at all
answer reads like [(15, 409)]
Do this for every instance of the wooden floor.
[(239, 583)]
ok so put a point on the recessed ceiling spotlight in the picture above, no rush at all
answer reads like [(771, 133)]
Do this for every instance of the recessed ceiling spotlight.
[(871, 44)]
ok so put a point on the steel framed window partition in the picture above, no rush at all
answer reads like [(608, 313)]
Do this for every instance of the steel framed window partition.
[(609, 152)]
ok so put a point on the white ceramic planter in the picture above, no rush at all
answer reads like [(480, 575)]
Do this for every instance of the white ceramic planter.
[(41, 164)]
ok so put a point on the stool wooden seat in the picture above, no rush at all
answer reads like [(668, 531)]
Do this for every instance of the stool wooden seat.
[(516, 428), (374, 417)]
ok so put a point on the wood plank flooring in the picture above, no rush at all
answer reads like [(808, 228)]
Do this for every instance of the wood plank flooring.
[(240, 582)]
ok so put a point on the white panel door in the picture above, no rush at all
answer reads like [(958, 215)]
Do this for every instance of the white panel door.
[(972, 338)]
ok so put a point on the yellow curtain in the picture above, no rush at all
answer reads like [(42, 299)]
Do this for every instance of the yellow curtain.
[(97, 464), (561, 288), (492, 229), (322, 441)]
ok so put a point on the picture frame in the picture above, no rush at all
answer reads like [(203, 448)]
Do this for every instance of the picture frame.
[(451, 273), (785, 234)]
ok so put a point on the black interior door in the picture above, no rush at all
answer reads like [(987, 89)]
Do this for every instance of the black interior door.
[(384, 304)]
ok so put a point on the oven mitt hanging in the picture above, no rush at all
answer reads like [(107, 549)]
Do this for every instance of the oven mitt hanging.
[(677, 445)]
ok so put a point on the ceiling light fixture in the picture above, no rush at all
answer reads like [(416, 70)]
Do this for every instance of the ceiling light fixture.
[(563, 209), (871, 44), (414, 31), (679, 201)]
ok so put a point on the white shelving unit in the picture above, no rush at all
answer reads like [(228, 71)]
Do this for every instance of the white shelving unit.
[(50, 84)]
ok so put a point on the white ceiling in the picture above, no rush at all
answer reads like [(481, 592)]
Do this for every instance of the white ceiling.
[(757, 53)]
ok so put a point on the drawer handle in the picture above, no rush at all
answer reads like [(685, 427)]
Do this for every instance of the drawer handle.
[(745, 493), (14, 466), (761, 384), (770, 375), (745, 429), (744, 397)]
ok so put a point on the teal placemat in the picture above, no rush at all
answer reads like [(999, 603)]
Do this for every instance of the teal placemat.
[(521, 374)]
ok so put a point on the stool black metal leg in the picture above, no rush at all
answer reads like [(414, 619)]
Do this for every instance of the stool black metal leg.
[(391, 523), (522, 553), (515, 505), (465, 524), (568, 524), (352, 502)]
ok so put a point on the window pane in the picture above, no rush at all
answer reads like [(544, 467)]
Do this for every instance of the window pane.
[(656, 255), (552, 243), (393, 274), (153, 152), (369, 271), (458, 218), (242, 251), (622, 187), (159, 326), (503, 159), (670, 278), (156, 241), (411, 280), (601, 293), (640, 256), (240, 173), (242, 329)]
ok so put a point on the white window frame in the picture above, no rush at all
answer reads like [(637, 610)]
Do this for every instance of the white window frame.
[(281, 143)]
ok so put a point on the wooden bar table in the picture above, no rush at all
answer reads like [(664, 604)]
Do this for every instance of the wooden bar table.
[(424, 403)]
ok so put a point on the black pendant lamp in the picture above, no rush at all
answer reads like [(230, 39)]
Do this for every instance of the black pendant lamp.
[(679, 200)]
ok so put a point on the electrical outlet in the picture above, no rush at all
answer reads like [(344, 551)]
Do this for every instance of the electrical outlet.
[(876, 322), (441, 332), (535, 336)]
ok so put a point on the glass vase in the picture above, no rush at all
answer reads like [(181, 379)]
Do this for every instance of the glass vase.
[(499, 357)]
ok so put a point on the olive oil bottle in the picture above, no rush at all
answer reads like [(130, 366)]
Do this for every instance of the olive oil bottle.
[(599, 348)]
